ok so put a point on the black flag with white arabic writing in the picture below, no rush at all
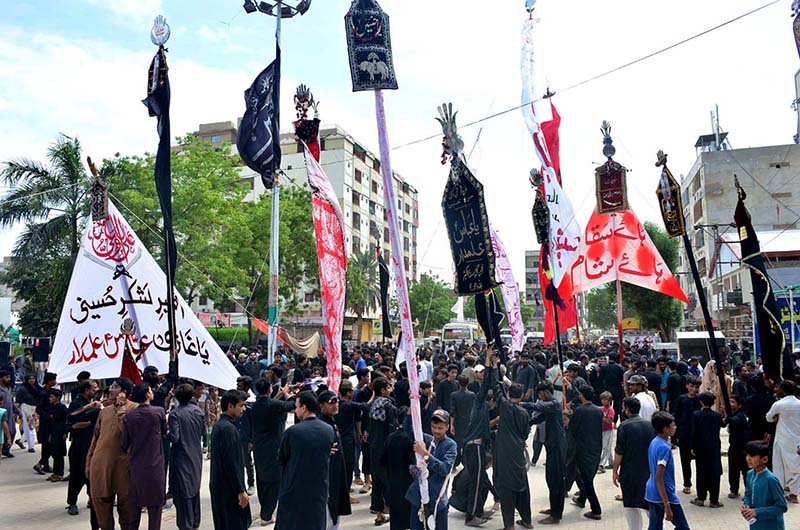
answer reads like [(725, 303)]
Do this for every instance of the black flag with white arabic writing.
[(770, 334), (259, 139)]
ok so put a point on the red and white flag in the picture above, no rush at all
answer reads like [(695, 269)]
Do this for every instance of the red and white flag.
[(332, 258)]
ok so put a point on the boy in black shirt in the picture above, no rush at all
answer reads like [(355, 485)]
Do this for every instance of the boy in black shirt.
[(706, 448)]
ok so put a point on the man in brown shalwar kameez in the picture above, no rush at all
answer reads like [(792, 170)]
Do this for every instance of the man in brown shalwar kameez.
[(106, 462)]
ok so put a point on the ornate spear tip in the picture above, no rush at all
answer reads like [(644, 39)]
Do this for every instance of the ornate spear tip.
[(535, 178), (92, 167), (159, 35), (608, 148), (452, 143), (661, 158)]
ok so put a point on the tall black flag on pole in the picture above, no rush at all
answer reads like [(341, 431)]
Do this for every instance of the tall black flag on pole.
[(770, 334), (157, 103), (259, 138)]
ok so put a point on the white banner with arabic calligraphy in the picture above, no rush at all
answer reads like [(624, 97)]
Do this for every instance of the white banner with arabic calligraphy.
[(117, 299), (510, 294), (565, 233)]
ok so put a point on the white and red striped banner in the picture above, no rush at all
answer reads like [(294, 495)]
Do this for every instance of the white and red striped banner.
[(332, 258)]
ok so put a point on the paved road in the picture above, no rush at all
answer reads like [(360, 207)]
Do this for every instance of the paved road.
[(28, 502)]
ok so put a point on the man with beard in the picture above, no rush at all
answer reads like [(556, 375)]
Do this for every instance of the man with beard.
[(631, 470), (230, 505), (106, 462), (338, 490), (83, 412), (549, 411), (304, 455), (187, 424), (268, 417), (143, 431), (510, 474), (586, 427)]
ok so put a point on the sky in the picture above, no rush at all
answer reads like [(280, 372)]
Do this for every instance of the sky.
[(79, 67)]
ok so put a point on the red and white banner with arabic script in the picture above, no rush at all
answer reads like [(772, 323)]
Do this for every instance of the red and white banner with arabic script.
[(116, 300), (332, 258), (565, 233), (616, 246), (508, 287)]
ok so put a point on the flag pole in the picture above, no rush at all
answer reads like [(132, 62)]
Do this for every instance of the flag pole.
[(619, 320), (675, 223), (273, 309)]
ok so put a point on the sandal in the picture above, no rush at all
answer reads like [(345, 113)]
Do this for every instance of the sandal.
[(381, 522)]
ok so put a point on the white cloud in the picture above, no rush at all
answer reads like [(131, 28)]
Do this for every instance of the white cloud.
[(133, 11)]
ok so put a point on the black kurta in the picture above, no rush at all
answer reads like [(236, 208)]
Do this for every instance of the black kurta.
[(338, 488), (187, 425), (227, 477), (268, 421), (633, 441), (304, 456), (706, 443), (509, 448), (397, 458)]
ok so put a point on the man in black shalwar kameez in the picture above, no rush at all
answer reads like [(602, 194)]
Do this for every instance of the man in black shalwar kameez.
[(381, 422), (631, 466), (186, 427), (586, 427), (338, 490), (550, 411), (230, 504), (510, 473), (304, 455), (268, 421)]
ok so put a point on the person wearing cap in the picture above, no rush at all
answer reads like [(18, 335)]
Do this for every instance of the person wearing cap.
[(338, 489), (637, 385), (439, 454), (510, 472), (548, 410), (480, 372)]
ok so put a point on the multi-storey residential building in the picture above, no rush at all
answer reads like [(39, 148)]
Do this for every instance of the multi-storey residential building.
[(769, 176), (355, 173)]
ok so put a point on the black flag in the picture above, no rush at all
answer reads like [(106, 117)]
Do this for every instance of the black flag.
[(259, 139), (770, 334), (383, 271), (157, 103)]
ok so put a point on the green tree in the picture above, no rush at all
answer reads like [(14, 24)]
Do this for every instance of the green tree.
[(363, 287), (654, 310), (209, 223), (49, 200), (430, 299)]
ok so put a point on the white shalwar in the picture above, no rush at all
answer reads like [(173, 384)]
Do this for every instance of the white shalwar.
[(785, 460)]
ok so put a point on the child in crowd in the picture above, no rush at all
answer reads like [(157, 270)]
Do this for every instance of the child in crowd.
[(739, 434), (660, 490), (57, 427), (706, 447), (607, 456), (5, 432), (763, 505)]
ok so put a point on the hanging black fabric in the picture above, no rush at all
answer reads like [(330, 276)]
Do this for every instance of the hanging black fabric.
[(770, 334), (259, 137), (497, 317), (383, 270), (157, 103)]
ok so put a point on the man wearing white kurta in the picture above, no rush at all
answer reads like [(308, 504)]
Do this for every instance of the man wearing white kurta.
[(785, 459), (637, 386)]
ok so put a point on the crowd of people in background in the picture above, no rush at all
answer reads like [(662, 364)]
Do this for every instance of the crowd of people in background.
[(487, 416)]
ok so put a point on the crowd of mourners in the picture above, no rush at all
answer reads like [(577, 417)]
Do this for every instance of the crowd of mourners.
[(487, 416)]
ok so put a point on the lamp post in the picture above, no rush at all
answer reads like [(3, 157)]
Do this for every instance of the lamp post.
[(280, 9)]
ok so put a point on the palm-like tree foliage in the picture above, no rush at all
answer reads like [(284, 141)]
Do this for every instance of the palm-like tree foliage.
[(49, 201), (363, 287)]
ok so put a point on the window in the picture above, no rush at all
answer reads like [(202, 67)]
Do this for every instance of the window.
[(376, 165), (202, 300), (405, 262), (386, 256), (356, 221), (356, 198), (408, 209), (405, 245), (374, 186), (405, 226), (372, 207), (385, 235), (309, 298), (356, 245), (373, 230), (215, 139), (358, 175), (698, 210)]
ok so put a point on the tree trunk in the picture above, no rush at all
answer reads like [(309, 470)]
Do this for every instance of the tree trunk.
[(360, 326)]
